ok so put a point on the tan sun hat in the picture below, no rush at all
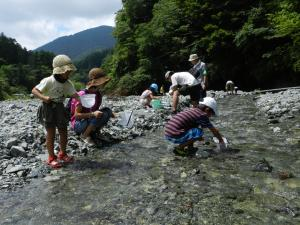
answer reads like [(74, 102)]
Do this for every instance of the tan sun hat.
[(97, 77), (62, 64), (193, 57)]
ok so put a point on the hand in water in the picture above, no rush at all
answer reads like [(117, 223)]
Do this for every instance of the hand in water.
[(222, 146)]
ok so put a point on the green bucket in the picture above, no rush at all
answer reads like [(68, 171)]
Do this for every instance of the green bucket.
[(156, 104)]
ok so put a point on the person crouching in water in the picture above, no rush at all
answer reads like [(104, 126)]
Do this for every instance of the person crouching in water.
[(229, 87), (187, 126), (147, 95), (86, 121)]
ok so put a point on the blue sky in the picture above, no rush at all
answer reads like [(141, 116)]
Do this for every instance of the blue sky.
[(36, 22)]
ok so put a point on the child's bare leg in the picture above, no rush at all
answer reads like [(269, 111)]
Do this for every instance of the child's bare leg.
[(88, 131), (50, 140), (190, 143), (63, 139), (175, 100)]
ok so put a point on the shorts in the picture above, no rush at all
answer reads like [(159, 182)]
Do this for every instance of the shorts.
[(192, 134), (194, 91), (144, 101), (81, 125), (52, 115)]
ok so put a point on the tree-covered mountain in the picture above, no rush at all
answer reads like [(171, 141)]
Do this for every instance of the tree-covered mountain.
[(254, 43), (79, 45), (20, 69)]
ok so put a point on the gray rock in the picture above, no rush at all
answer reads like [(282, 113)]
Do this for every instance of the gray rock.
[(15, 169), (18, 151), (11, 142), (52, 178)]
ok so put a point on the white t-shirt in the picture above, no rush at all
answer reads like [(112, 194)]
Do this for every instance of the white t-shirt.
[(145, 94), (183, 78), (55, 90)]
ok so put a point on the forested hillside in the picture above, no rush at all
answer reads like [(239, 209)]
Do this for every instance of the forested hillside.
[(79, 45), (254, 43), (21, 70)]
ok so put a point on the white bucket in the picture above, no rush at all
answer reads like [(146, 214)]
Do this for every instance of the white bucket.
[(88, 100)]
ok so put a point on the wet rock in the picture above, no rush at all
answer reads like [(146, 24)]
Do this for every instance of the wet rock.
[(273, 121), (276, 129), (294, 212), (283, 175), (263, 166), (40, 171), (203, 154), (52, 178)]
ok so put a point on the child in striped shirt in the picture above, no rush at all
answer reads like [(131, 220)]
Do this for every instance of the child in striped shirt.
[(186, 127)]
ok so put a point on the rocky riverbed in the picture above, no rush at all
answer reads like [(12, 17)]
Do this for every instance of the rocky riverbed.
[(132, 177), (22, 139)]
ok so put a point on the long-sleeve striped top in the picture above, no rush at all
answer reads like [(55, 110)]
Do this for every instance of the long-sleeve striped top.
[(183, 121)]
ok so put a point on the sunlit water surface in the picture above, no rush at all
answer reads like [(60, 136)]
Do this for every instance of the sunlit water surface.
[(142, 182)]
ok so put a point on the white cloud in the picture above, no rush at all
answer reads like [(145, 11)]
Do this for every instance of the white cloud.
[(36, 22)]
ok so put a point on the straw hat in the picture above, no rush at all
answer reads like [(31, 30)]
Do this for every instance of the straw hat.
[(193, 57), (62, 64), (97, 77)]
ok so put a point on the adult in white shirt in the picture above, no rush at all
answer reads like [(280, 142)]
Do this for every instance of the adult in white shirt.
[(183, 83), (200, 73)]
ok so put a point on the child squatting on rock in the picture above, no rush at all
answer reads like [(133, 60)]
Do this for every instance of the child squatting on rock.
[(147, 95), (183, 128), (52, 91)]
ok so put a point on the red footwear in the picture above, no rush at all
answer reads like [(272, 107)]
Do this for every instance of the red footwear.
[(53, 163), (64, 157)]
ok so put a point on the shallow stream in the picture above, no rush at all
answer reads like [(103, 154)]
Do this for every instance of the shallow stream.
[(142, 182)]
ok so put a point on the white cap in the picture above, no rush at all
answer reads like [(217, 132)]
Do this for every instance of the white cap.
[(193, 57), (211, 103)]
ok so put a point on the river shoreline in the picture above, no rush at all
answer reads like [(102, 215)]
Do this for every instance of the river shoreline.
[(22, 139), (140, 181)]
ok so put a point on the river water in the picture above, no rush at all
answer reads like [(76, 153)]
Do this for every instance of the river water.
[(142, 182)]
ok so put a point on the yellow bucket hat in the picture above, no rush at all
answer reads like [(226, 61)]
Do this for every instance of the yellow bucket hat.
[(62, 64)]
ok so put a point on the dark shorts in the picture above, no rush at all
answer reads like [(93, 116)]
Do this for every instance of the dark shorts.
[(81, 125), (202, 94), (192, 134), (52, 115), (194, 91)]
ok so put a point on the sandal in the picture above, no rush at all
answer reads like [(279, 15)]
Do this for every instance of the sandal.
[(192, 150), (88, 140), (65, 158), (53, 163), (180, 152)]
